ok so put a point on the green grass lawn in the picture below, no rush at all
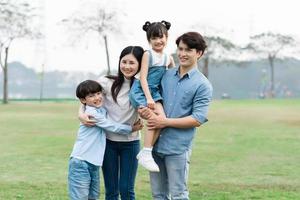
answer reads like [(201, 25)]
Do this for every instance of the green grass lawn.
[(249, 149)]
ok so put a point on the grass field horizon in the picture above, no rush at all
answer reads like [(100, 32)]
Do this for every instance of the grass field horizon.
[(249, 149)]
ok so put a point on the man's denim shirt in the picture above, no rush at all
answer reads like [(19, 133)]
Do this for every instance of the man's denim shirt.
[(182, 97)]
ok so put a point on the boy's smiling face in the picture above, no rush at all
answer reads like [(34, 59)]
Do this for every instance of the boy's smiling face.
[(93, 99)]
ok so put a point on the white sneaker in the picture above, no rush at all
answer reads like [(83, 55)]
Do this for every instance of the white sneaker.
[(147, 161)]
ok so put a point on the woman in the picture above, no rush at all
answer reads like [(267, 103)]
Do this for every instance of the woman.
[(120, 163)]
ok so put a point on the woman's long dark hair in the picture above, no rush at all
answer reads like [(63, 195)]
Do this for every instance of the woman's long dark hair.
[(137, 52)]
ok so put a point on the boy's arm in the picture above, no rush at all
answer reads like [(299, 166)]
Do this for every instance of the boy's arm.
[(144, 82), (103, 122)]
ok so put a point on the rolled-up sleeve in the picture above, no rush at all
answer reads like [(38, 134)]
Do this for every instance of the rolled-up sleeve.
[(201, 102)]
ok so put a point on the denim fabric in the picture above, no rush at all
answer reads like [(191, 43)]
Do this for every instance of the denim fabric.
[(171, 181), (119, 169), (189, 95), (155, 73), (83, 180)]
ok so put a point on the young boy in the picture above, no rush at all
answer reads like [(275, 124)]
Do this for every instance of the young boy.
[(88, 150)]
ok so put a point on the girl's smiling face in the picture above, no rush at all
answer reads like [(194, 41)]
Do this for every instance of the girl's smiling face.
[(158, 43)]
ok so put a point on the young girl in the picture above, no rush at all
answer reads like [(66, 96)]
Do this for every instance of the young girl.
[(146, 91)]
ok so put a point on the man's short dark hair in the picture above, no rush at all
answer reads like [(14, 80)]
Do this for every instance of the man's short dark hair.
[(87, 87), (193, 40)]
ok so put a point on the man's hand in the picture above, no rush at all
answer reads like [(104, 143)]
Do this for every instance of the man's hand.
[(145, 112), (157, 122)]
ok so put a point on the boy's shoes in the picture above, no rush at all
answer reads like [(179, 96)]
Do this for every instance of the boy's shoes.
[(146, 160)]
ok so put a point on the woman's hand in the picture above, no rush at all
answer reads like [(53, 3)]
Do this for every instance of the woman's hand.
[(138, 125), (86, 120)]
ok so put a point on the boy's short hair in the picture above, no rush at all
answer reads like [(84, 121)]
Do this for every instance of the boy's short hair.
[(193, 40), (87, 87)]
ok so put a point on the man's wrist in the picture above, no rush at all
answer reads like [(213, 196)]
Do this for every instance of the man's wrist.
[(167, 122)]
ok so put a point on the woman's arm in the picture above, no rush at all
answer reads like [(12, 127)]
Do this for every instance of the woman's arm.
[(144, 82), (85, 118)]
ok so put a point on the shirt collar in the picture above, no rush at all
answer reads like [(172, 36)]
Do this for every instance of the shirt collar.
[(189, 73)]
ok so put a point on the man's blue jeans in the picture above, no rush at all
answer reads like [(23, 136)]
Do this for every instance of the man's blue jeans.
[(171, 181), (83, 180), (119, 169)]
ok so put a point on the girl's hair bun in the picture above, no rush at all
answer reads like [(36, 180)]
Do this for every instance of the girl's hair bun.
[(146, 25), (166, 24)]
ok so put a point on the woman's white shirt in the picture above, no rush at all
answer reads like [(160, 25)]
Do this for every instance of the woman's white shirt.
[(121, 112)]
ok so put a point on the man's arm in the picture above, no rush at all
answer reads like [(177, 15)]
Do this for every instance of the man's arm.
[(198, 116), (162, 122)]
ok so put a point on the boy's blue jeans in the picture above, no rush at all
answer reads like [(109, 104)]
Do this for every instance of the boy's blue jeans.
[(119, 169), (171, 181), (83, 180)]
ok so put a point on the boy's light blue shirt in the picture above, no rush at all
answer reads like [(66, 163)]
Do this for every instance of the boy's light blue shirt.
[(91, 141), (182, 97)]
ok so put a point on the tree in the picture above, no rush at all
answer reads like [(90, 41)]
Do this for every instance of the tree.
[(15, 23), (217, 48), (270, 45), (98, 21)]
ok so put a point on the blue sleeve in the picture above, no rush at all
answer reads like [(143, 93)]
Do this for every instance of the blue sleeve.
[(109, 125), (201, 102)]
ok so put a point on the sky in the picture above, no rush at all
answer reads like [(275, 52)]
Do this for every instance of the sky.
[(232, 19)]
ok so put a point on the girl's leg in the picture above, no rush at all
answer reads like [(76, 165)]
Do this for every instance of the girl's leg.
[(152, 135), (145, 156), (159, 110)]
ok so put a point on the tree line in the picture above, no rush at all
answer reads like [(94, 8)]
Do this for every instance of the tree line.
[(17, 17)]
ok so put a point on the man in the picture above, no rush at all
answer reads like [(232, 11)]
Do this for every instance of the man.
[(186, 95)]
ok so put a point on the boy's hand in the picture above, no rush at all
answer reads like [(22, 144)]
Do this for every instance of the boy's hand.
[(86, 120), (138, 125)]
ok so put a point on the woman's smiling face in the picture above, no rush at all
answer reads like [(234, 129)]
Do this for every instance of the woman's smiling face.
[(129, 66)]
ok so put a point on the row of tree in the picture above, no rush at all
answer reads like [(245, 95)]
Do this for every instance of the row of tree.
[(261, 46), (16, 19)]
